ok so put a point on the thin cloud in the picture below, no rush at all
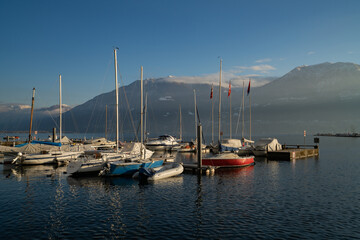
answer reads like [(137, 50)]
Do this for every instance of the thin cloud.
[(263, 60), (311, 53), (257, 80), (264, 68)]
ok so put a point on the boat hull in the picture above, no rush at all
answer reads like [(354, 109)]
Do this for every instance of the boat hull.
[(121, 168), (228, 162), (48, 158), (82, 167), (162, 147), (166, 172)]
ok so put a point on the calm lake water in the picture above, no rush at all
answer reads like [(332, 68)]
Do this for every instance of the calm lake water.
[(314, 198)]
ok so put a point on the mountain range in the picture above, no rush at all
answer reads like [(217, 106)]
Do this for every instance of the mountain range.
[(316, 98)]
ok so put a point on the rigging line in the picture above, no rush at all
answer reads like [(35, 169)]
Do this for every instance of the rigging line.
[(52, 118), (177, 126), (154, 121), (238, 120), (97, 100), (198, 117), (76, 128), (139, 125), (127, 102)]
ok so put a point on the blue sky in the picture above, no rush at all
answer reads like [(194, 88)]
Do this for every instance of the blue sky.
[(42, 39)]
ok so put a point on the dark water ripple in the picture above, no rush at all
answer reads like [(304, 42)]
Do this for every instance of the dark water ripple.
[(303, 199)]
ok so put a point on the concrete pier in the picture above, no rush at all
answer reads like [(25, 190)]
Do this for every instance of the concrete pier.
[(290, 152)]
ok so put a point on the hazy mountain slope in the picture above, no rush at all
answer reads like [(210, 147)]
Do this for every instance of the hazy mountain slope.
[(317, 98), (309, 84)]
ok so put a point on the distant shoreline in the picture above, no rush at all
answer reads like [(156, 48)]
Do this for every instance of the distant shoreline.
[(338, 134)]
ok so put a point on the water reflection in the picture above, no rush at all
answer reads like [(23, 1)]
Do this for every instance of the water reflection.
[(186, 157), (33, 171), (198, 205), (235, 172), (86, 181)]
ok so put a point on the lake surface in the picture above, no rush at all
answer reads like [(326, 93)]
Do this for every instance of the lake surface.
[(314, 198)]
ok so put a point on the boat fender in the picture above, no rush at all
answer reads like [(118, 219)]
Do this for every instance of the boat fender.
[(15, 159), (105, 170), (146, 172)]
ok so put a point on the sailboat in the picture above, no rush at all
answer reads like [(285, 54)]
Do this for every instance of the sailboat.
[(226, 159), (131, 165), (95, 161), (241, 147), (46, 157)]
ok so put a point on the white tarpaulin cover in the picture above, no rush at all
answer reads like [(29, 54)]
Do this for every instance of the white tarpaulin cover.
[(269, 144)]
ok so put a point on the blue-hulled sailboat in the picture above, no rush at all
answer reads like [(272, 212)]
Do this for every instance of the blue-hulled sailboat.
[(131, 165)]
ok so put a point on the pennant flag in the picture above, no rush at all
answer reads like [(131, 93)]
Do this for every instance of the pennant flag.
[(229, 89), (248, 91), (212, 91)]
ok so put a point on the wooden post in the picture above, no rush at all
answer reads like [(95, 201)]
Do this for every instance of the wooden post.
[(54, 135), (199, 152)]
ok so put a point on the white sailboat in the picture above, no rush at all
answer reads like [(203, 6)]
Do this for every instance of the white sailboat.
[(94, 162), (51, 156), (131, 165)]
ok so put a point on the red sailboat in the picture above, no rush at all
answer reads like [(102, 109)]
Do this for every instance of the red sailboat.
[(228, 160)]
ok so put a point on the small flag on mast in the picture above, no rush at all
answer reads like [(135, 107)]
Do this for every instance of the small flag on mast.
[(248, 90), (229, 89), (211, 93)]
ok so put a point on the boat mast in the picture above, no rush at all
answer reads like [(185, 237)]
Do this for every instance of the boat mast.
[(212, 116), (60, 108), (195, 114), (145, 115), (141, 111), (220, 99), (230, 106), (117, 102), (243, 111), (105, 121), (180, 132), (250, 109), (32, 111)]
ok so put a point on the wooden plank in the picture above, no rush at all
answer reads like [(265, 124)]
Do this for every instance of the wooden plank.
[(289, 154)]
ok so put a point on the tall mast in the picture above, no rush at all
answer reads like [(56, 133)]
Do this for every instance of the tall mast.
[(243, 111), (32, 111), (220, 99), (195, 115), (212, 117), (250, 110), (145, 114), (230, 108), (180, 132), (105, 121), (60, 108), (116, 102), (141, 111)]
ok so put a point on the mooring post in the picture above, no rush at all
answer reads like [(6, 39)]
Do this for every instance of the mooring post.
[(199, 152), (54, 135)]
